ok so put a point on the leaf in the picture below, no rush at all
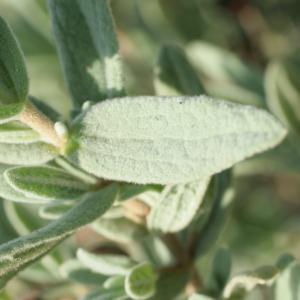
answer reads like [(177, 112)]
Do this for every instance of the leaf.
[(220, 273), (287, 283), (140, 282), (283, 92), (102, 294), (174, 75), (13, 75), (45, 183), (21, 252), (106, 264), (54, 211), (171, 284), (169, 140), (200, 297), (227, 70), (88, 49), (177, 206), (247, 281), (75, 271), (17, 133), (221, 197), (120, 230), (114, 282), (7, 192), (27, 154)]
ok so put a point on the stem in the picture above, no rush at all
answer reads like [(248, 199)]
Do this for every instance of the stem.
[(35, 119)]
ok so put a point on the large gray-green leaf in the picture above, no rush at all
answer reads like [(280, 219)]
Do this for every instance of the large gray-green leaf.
[(245, 282), (282, 85), (171, 140), (120, 230), (177, 206), (88, 49), (17, 133), (21, 252), (45, 183), (13, 75), (106, 264), (174, 75), (27, 154), (140, 282)]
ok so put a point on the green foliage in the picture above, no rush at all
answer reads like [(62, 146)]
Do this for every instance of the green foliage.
[(174, 75), (140, 282), (177, 206), (26, 154), (13, 75), (105, 264), (89, 56), (163, 150), (45, 183), (18, 253), (149, 185)]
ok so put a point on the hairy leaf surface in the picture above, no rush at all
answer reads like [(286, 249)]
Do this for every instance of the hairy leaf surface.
[(106, 264), (13, 74), (88, 49), (171, 140), (21, 252), (177, 206), (27, 154), (45, 183)]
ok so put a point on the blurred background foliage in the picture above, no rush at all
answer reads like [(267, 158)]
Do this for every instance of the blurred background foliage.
[(240, 50)]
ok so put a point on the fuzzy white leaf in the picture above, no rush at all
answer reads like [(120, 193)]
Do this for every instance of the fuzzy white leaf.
[(177, 206), (171, 140), (17, 133), (27, 154), (105, 264)]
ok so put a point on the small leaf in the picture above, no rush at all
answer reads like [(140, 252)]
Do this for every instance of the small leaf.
[(103, 294), (177, 206), (247, 281), (75, 271), (13, 75), (45, 183), (17, 133), (287, 283), (140, 282), (23, 251), (120, 230), (169, 140), (54, 211), (283, 91), (220, 273), (7, 192), (200, 297), (105, 264), (114, 282), (27, 154), (88, 49), (174, 75), (227, 72)]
